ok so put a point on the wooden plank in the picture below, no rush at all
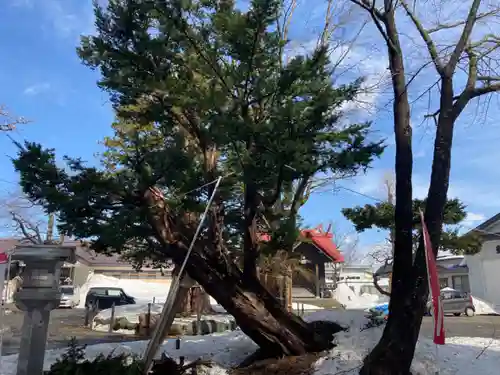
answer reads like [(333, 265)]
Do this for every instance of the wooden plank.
[(177, 293)]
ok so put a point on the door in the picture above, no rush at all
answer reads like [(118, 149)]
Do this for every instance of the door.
[(451, 303)]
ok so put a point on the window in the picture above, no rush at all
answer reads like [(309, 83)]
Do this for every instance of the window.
[(114, 292), (98, 291), (443, 282), (461, 283), (368, 289), (69, 291)]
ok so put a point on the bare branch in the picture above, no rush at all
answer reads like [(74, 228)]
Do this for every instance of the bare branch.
[(9, 122), (464, 38), (370, 7), (379, 288), (447, 26), (25, 228), (24, 218), (379, 18), (431, 47)]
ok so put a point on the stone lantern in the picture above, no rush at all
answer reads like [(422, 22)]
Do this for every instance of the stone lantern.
[(37, 297)]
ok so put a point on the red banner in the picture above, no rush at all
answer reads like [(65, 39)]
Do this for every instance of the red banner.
[(437, 304)]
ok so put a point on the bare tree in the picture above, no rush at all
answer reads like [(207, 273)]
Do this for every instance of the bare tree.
[(27, 221), (470, 57), (347, 243), (8, 121)]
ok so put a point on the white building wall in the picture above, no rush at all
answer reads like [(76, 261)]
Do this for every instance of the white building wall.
[(484, 272)]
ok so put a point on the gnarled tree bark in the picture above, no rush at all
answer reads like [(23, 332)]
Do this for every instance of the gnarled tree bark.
[(257, 312)]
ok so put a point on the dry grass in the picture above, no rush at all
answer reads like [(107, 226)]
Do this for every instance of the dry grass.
[(301, 365)]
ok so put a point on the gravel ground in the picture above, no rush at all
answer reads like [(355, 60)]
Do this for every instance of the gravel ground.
[(64, 324)]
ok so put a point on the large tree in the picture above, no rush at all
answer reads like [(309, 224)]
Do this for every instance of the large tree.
[(460, 56), (201, 91)]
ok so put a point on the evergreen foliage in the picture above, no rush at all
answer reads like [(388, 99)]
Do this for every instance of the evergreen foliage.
[(381, 216), (201, 90)]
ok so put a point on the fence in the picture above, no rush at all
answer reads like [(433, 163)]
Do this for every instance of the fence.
[(280, 286)]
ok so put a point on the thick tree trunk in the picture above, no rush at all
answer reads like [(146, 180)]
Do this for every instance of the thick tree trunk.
[(398, 345), (250, 243), (394, 352), (256, 311)]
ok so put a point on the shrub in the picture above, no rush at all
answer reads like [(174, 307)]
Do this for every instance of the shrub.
[(73, 362)]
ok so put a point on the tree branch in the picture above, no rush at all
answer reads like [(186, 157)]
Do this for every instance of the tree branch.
[(378, 18), (440, 27), (25, 227), (379, 288), (464, 38), (431, 47)]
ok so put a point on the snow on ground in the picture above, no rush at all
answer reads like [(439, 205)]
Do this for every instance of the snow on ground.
[(457, 357), (484, 308), (461, 355), (224, 349), (346, 296), (142, 291)]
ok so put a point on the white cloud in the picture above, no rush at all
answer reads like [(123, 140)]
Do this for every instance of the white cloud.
[(473, 219), (67, 18), (37, 89), (352, 62)]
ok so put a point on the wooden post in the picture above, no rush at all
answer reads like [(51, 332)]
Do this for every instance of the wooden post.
[(317, 280), (148, 321), (87, 315), (198, 322), (176, 295), (281, 290), (112, 320), (289, 292)]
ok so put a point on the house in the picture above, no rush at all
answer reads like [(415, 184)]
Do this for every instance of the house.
[(317, 252), (359, 278), (452, 271), (484, 267), (87, 262)]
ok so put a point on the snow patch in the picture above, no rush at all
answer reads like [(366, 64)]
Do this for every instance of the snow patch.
[(458, 357), (142, 291), (484, 308), (350, 300)]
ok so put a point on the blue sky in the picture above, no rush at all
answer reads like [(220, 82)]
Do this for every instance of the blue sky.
[(42, 79)]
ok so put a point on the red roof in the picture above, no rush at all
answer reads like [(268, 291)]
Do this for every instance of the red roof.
[(322, 240)]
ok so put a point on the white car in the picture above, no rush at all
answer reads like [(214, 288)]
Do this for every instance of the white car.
[(69, 296)]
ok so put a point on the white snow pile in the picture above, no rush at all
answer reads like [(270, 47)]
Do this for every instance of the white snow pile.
[(461, 355), (142, 291), (346, 296), (297, 306), (484, 308)]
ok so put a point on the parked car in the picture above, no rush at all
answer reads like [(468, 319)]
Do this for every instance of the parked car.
[(455, 302), (69, 296), (103, 298)]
